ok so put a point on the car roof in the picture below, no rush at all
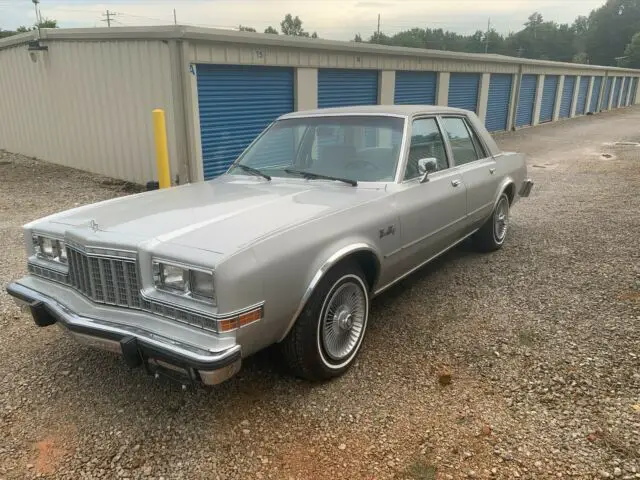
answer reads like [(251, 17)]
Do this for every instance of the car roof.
[(396, 110)]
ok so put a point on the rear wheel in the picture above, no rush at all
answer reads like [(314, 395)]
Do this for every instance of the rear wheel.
[(493, 233), (327, 335)]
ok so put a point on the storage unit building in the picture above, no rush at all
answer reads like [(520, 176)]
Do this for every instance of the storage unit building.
[(463, 91), (583, 89), (549, 93), (498, 102), (595, 94), (415, 88), (86, 100)]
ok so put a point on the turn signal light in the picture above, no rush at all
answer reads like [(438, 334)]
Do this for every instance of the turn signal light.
[(241, 320)]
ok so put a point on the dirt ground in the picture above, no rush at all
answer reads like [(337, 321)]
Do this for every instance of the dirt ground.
[(541, 339)]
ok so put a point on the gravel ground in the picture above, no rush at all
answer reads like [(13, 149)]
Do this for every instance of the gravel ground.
[(540, 343)]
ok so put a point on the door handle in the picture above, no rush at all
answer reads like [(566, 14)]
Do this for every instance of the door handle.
[(455, 183), (492, 171)]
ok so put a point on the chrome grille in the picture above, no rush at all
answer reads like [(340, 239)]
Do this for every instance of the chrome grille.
[(113, 281)]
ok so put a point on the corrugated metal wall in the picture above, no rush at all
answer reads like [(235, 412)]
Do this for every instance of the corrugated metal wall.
[(88, 105), (634, 90), (625, 91), (616, 93), (340, 88)]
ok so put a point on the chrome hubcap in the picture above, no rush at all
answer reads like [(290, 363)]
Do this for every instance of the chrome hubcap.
[(343, 320), (501, 220)]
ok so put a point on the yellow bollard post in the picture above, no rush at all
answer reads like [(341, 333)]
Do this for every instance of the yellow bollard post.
[(162, 150)]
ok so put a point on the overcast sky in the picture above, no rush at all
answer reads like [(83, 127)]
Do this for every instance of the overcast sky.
[(333, 19)]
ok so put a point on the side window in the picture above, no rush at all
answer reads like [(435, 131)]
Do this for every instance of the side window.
[(462, 144), (426, 142)]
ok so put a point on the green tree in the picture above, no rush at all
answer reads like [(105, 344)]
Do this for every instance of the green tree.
[(271, 30), (357, 38), (244, 28), (314, 35), (292, 26), (611, 28), (632, 52)]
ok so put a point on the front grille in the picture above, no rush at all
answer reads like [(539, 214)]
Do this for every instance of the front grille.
[(113, 281)]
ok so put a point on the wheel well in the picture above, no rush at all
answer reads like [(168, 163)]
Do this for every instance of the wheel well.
[(510, 190), (369, 264)]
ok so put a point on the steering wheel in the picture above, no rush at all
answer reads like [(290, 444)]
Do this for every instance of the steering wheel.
[(361, 163)]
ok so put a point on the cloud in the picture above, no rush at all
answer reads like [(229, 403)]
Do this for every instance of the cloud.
[(335, 19)]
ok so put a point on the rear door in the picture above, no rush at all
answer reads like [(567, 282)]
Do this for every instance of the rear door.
[(476, 166), (432, 214)]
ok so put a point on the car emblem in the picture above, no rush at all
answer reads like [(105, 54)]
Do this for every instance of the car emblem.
[(93, 225)]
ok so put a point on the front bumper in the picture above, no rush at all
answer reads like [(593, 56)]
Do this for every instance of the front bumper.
[(159, 354), (525, 188)]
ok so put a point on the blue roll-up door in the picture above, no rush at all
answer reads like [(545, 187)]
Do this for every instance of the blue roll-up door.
[(581, 103), (567, 96), (463, 91), (616, 93), (595, 94), (498, 101), (341, 88), (634, 90), (236, 103), (549, 93), (625, 91), (415, 88), (607, 93), (526, 100)]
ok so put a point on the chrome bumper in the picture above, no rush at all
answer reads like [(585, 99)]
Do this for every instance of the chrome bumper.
[(139, 347), (525, 188)]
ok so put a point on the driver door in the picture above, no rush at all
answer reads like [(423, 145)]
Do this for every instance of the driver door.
[(432, 213)]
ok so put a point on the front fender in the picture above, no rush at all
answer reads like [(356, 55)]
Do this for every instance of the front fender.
[(325, 260)]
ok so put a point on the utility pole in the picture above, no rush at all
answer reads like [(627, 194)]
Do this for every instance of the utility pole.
[(108, 17), (38, 16), (175, 18), (486, 43), (378, 35)]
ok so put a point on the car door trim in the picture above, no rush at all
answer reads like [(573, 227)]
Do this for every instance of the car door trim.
[(409, 272)]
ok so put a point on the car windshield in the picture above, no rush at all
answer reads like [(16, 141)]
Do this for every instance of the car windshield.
[(355, 148)]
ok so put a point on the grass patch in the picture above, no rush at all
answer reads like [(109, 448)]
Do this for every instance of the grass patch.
[(421, 470)]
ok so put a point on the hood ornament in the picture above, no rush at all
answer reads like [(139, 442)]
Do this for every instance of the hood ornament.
[(93, 225)]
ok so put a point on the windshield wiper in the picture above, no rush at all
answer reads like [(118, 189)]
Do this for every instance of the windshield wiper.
[(311, 175), (253, 171)]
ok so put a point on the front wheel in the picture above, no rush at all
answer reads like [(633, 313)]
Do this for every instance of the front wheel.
[(493, 233), (327, 335)]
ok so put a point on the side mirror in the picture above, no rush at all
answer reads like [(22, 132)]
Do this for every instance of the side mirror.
[(425, 167)]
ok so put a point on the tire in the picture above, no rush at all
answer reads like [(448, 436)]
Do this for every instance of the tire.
[(312, 347), (493, 233)]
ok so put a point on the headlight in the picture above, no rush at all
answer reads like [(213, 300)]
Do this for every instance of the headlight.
[(197, 284), (49, 249)]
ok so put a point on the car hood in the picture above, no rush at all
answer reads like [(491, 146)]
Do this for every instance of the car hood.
[(221, 215)]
